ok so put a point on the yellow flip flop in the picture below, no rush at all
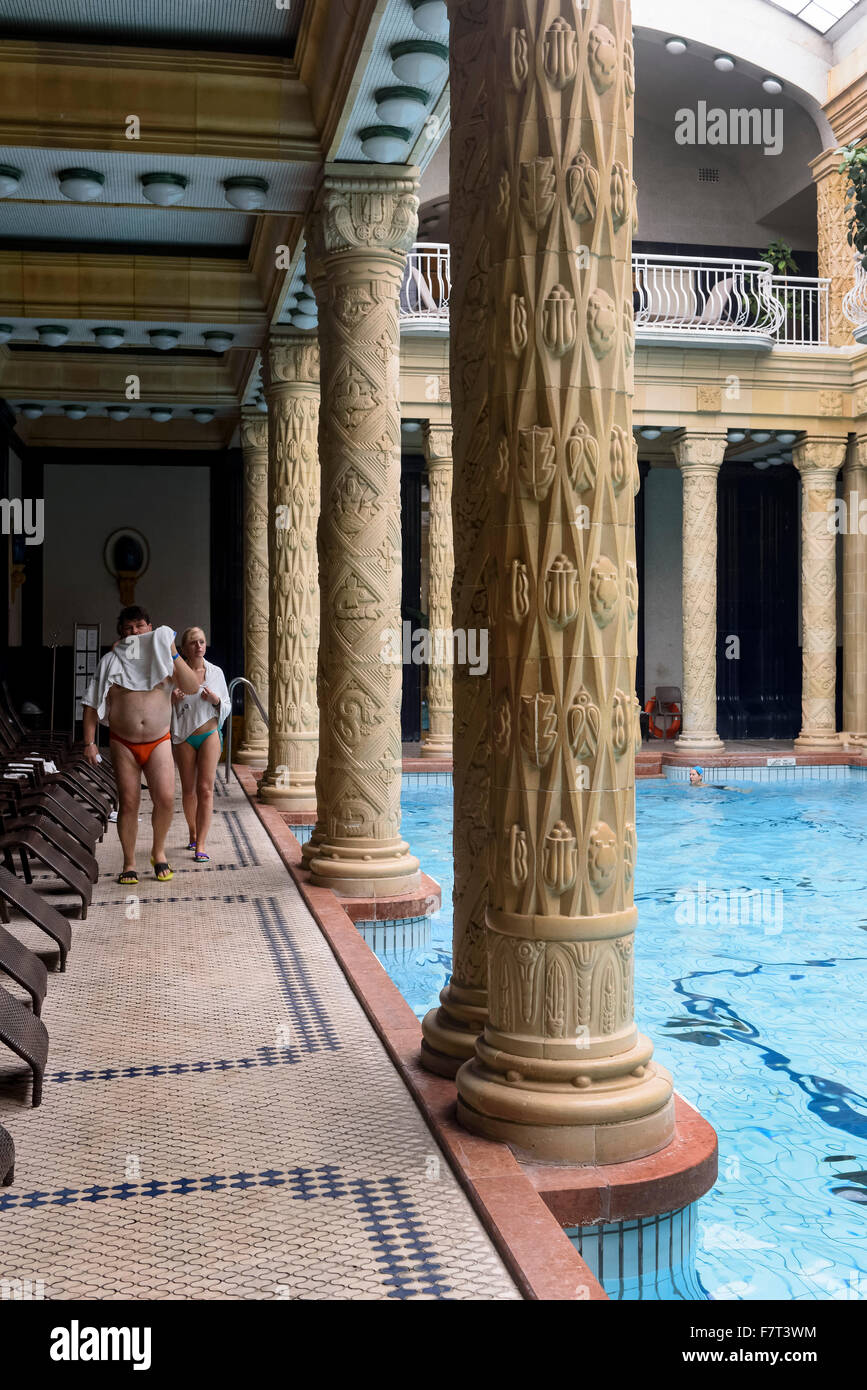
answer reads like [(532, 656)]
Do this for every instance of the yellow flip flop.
[(162, 871)]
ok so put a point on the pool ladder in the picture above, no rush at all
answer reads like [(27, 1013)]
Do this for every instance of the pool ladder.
[(240, 680)]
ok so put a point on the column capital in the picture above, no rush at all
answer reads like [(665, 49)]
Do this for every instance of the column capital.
[(363, 209), (254, 430), (818, 455), (704, 450), (438, 445), (290, 357)]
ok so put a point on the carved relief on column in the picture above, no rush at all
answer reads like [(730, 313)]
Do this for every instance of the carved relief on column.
[(291, 376), (437, 742), (855, 597), (450, 1031), (561, 1070), (699, 457), (360, 232), (836, 257), (818, 461), (254, 445)]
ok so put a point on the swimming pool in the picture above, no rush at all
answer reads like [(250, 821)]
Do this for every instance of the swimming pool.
[(751, 979)]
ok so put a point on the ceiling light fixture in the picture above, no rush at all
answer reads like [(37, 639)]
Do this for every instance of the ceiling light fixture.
[(650, 433), (161, 413), (203, 415), (81, 185), (400, 106), (10, 177), (108, 337), (723, 63), (675, 45), (118, 412), (164, 338), (737, 436), (75, 412), (217, 340), (246, 193), (760, 436), (6, 331), (417, 61), (31, 410), (787, 437), (431, 17), (305, 321), (384, 144), (761, 464), (163, 189), (772, 86), (52, 334), (262, 406)]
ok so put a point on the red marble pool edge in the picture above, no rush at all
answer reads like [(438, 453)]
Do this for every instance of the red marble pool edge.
[(522, 1205)]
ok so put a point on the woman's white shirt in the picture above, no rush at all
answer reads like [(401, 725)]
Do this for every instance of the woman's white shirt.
[(190, 713)]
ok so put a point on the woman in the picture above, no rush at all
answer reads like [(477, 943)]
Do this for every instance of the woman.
[(196, 738)]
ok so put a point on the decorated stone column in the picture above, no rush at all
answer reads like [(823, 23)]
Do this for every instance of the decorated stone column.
[(699, 457), (437, 742), (450, 1031), (836, 257), (561, 1070), (818, 461), (361, 229), (291, 376), (254, 446), (855, 597)]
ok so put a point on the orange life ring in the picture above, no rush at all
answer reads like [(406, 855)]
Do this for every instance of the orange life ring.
[(674, 726)]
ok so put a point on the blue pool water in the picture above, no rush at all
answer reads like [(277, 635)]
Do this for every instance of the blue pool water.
[(758, 1007)]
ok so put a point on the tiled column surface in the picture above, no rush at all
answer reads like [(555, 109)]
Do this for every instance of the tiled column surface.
[(818, 461), (360, 232), (855, 597), (561, 1070), (437, 742), (220, 1120), (291, 376), (450, 1031), (254, 444), (836, 258), (699, 457)]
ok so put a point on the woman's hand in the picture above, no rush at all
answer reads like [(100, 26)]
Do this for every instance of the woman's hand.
[(207, 694), (177, 696)]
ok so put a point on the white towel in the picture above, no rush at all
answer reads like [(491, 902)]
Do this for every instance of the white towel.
[(193, 711), (140, 662)]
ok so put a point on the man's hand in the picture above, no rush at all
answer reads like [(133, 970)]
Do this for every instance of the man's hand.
[(207, 694), (177, 696), (91, 753)]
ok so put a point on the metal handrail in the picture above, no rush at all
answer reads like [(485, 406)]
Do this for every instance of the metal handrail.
[(240, 680)]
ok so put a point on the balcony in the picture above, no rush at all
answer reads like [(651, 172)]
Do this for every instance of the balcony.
[(676, 299)]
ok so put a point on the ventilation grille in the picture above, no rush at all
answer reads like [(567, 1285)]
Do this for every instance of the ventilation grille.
[(708, 175)]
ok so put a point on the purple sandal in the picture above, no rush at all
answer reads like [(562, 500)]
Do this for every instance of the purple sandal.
[(202, 858)]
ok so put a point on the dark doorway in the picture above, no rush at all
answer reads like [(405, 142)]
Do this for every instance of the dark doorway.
[(758, 657), (410, 505)]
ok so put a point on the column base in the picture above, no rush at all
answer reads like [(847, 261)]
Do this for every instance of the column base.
[(364, 869), (700, 744), (857, 742), (251, 756), (436, 748), (820, 742), (450, 1032), (609, 1110), (291, 797)]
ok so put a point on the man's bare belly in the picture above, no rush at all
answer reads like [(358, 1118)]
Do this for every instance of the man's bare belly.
[(140, 716)]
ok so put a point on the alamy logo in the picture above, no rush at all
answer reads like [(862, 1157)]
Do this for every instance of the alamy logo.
[(739, 126), (77, 1343), (23, 517)]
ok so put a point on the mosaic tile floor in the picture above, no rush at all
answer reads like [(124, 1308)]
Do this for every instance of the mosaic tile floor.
[(220, 1120)]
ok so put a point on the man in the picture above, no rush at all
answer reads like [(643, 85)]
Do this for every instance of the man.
[(133, 687)]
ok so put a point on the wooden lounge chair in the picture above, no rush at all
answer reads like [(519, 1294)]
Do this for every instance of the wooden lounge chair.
[(26, 1035), (7, 1158), (39, 912), (24, 967), (31, 841), (55, 835)]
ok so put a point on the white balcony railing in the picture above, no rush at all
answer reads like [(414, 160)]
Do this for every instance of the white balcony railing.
[(424, 294), (855, 303), (675, 298)]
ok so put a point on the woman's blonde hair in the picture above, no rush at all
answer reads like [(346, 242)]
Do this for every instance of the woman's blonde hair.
[(185, 636)]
